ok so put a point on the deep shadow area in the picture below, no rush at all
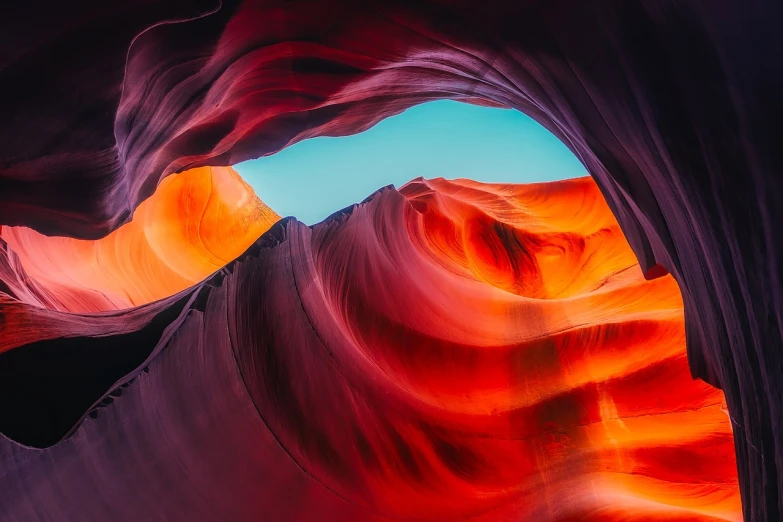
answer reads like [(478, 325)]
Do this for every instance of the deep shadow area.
[(47, 386)]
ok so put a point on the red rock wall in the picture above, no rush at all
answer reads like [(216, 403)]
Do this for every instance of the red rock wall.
[(672, 106), (193, 225), (452, 351)]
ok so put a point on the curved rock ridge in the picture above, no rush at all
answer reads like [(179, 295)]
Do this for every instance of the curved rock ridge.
[(448, 351), (673, 106), (194, 224)]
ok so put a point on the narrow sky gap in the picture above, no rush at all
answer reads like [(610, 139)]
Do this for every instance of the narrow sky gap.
[(316, 177)]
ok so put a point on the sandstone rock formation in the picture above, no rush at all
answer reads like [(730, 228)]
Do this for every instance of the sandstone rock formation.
[(673, 106), (451, 351)]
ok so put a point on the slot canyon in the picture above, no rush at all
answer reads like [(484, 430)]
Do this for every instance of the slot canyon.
[(604, 348)]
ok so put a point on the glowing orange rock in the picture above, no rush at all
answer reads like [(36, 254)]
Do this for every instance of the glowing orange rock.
[(500, 355), (536, 365), (449, 351), (193, 225)]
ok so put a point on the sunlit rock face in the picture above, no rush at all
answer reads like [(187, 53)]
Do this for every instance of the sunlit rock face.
[(673, 106), (194, 224), (449, 351)]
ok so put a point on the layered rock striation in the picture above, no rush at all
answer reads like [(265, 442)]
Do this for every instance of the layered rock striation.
[(673, 106), (448, 351)]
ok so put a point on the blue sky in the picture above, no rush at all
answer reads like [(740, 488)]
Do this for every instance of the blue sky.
[(319, 176)]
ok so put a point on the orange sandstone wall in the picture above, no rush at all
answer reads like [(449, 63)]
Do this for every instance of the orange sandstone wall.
[(193, 225), (449, 351)]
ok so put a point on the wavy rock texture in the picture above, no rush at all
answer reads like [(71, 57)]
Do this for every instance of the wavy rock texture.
[(673, 106), (195, 223), (452, 351)]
